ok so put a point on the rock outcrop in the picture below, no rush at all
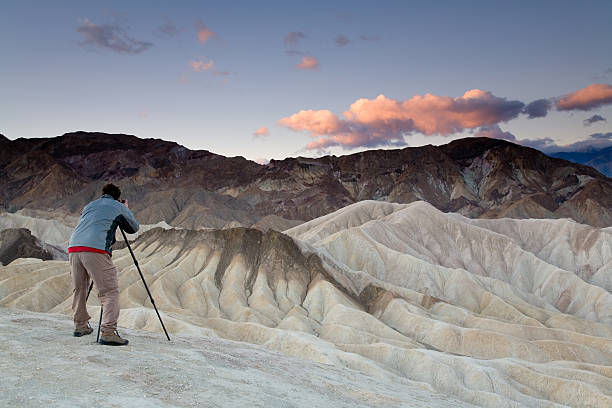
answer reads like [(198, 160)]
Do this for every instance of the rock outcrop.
[(20, 243)]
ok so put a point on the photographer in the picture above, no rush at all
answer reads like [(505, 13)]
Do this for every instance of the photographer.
[(90, 251)]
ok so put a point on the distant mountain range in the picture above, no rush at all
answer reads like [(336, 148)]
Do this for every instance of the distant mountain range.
[(601, 159), (476, 177)]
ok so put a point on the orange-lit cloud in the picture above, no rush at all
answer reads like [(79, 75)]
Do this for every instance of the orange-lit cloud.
[(592, 96), (204, 33), (318, 123), (432, 114), (201, 66), (262, 132), (308, 63), (385, 121)]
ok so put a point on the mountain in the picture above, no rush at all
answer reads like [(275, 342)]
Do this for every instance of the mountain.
[(601, 159), (494, 312), (476, 177)]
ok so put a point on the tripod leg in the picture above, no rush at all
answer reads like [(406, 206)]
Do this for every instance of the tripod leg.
[(89, 291), (99, 325), (145, 283)]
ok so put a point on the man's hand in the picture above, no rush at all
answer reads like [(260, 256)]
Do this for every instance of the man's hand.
[(125, 202)]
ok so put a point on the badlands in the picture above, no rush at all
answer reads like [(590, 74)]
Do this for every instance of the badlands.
[(491, 312)]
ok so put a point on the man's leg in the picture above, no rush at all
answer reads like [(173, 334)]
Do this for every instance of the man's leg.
[(80, 283), (104, 275)]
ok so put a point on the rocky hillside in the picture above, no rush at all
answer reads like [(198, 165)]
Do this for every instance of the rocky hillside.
[(476, 177)]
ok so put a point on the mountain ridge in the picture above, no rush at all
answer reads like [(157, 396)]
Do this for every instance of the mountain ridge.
[(477, 177), (600, 159)]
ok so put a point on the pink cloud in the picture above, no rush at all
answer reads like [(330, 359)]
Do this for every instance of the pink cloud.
[(431, 114), (592, 96), (385, 121), (201, 66), (308, 63), (262, 161), (321, 122), (204, 33), (262, 132)]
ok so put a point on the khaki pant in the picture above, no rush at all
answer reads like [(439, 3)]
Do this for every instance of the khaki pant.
[(100, 268)]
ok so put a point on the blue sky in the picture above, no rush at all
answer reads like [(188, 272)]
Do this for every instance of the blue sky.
[(53, 81)]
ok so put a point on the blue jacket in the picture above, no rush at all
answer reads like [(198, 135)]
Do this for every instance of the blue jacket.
[(98, 224)]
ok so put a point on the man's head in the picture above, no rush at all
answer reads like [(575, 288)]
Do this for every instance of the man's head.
[(112, 190)]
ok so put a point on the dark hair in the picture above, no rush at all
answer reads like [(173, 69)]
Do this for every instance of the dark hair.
[(112, 190)]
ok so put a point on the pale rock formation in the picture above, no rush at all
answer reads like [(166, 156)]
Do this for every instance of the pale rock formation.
[(497, 313)]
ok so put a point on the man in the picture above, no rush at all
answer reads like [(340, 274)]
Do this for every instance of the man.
[(90, 251)]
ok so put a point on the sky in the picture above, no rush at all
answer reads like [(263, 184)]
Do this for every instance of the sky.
[(272, 79)]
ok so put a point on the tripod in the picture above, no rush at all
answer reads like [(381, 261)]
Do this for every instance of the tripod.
[(145, 285)]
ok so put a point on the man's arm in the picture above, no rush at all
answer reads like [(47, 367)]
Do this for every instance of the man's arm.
[(128, 221)]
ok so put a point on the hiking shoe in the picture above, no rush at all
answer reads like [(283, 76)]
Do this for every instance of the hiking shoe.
[(112, 339), (82, 331)]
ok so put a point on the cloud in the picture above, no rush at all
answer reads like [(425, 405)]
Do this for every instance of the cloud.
[(111, 36), (292, 39), (318, 123), (262, 161), (385, 121), (342, 40), (545, 144), (369, 37), (201, 66), (495, 132), (587, 98), (601, 135), (538, 109), (204, 33), (168, 29), (308, 63), (593, 119), (595, 141), (432, 114), (262, 132)]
